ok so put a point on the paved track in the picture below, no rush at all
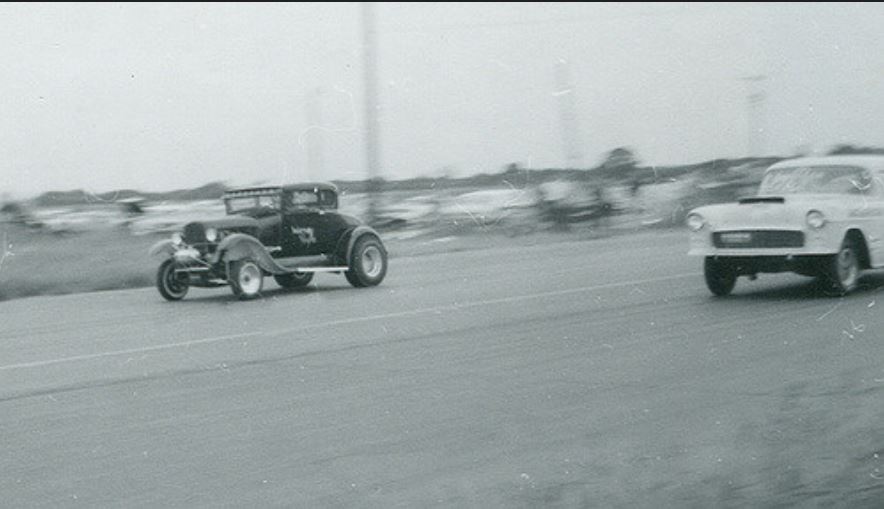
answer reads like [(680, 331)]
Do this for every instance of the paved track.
[(571, 374)]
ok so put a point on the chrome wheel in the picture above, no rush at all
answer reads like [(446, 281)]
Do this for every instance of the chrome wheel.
[(842, 270), (368, 263), (249, 278), (847, 267), (246, 279), (372, 261)]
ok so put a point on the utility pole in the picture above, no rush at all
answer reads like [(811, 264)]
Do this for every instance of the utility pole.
[(568, 115), (755, 115), (372, 127), (315, 144)]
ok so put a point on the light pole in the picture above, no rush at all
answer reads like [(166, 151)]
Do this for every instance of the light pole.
[(755, 118), (372, 128), (568, 114), (315, 145)]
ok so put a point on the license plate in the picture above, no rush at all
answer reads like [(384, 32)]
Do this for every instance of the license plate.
[(736, 238)]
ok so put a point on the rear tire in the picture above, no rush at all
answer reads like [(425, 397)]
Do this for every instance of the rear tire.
[(293, 280), (720, 278), (172, 286), (246, 279), (368, 263), (841, 271)]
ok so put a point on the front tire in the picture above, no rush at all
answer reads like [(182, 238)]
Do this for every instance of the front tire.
[(293, 280), (842, 270), (720, 279), (246, 279), (171, 285), (368, 263)]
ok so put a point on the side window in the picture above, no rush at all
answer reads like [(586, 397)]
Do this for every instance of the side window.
[(876, 185), (300, 200), (328, 200), (861, 182), (288, 203)]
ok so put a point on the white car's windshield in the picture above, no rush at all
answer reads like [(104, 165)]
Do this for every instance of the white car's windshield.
[(815, 180)]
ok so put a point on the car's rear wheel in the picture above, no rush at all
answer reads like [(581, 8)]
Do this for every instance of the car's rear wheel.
[(842, 270), (293, 280), (368, 264), (246, 279), (720, 277), (172, 286)]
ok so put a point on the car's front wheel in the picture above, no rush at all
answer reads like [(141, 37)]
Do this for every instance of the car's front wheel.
[(368, 264), (246, 279), (842, 270), (172, 285), (293, 280), (720, 278)]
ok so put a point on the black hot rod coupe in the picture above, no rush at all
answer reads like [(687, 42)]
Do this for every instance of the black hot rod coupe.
[(290, 232)]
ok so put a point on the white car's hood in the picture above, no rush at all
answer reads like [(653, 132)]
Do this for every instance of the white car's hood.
[(770, 212)]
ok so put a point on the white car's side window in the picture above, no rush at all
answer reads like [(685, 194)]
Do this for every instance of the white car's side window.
[(877, 185)]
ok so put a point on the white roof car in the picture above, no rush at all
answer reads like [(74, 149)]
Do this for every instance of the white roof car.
[(816, 216)]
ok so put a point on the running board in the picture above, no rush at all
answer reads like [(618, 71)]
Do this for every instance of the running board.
[(322, 269), (300, 262)]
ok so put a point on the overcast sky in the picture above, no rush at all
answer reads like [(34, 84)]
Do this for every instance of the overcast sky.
[(166, 96)]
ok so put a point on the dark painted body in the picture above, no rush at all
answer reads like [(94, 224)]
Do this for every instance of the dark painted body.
[(288, 231)]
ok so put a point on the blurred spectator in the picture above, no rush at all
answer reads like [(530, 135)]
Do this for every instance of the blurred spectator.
[(15, 213), (634, 187)]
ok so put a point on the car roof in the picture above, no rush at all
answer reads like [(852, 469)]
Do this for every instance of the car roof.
[(311, 186), (871, 162), (251, 191), (269, 190)]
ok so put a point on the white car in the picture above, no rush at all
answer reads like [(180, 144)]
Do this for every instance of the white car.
[(821, 217)]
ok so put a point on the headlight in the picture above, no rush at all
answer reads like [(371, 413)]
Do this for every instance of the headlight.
[(815, 219), (211, 234), (176, 239), (695, 222)]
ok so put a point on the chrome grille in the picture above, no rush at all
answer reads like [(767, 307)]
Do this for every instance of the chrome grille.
[(737, 239), (194, 233)]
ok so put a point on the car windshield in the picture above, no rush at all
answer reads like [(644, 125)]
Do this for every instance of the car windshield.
[(243, 203), (815, 180)]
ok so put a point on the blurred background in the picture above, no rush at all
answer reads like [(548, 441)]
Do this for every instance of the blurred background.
[(122, 122)]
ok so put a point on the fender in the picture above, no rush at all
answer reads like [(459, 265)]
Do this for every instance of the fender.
[(239, 246), (355, 234), (163, 247)]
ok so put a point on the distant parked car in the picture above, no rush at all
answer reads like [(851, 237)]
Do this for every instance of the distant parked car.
[(289, 232), (821, 217)]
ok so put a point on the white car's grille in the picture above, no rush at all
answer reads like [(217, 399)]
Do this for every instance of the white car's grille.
[(738, 239)]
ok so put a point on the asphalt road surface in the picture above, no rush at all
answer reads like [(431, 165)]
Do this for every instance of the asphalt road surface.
[(568, 374)]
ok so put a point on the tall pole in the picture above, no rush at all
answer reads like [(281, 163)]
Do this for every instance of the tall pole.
[(372, 127), (568, 115), (755, 115), (315, 145)]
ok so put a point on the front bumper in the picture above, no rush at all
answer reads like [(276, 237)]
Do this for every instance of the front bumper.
[(808, 265), (825, 241), (200, 269), (187, 255)]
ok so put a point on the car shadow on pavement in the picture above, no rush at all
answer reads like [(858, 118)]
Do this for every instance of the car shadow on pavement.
[(805, 288), (223, 294)]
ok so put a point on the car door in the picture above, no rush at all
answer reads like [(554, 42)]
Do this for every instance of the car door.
[(299, 232), (874, 204), (269, 217), (300, 224)]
